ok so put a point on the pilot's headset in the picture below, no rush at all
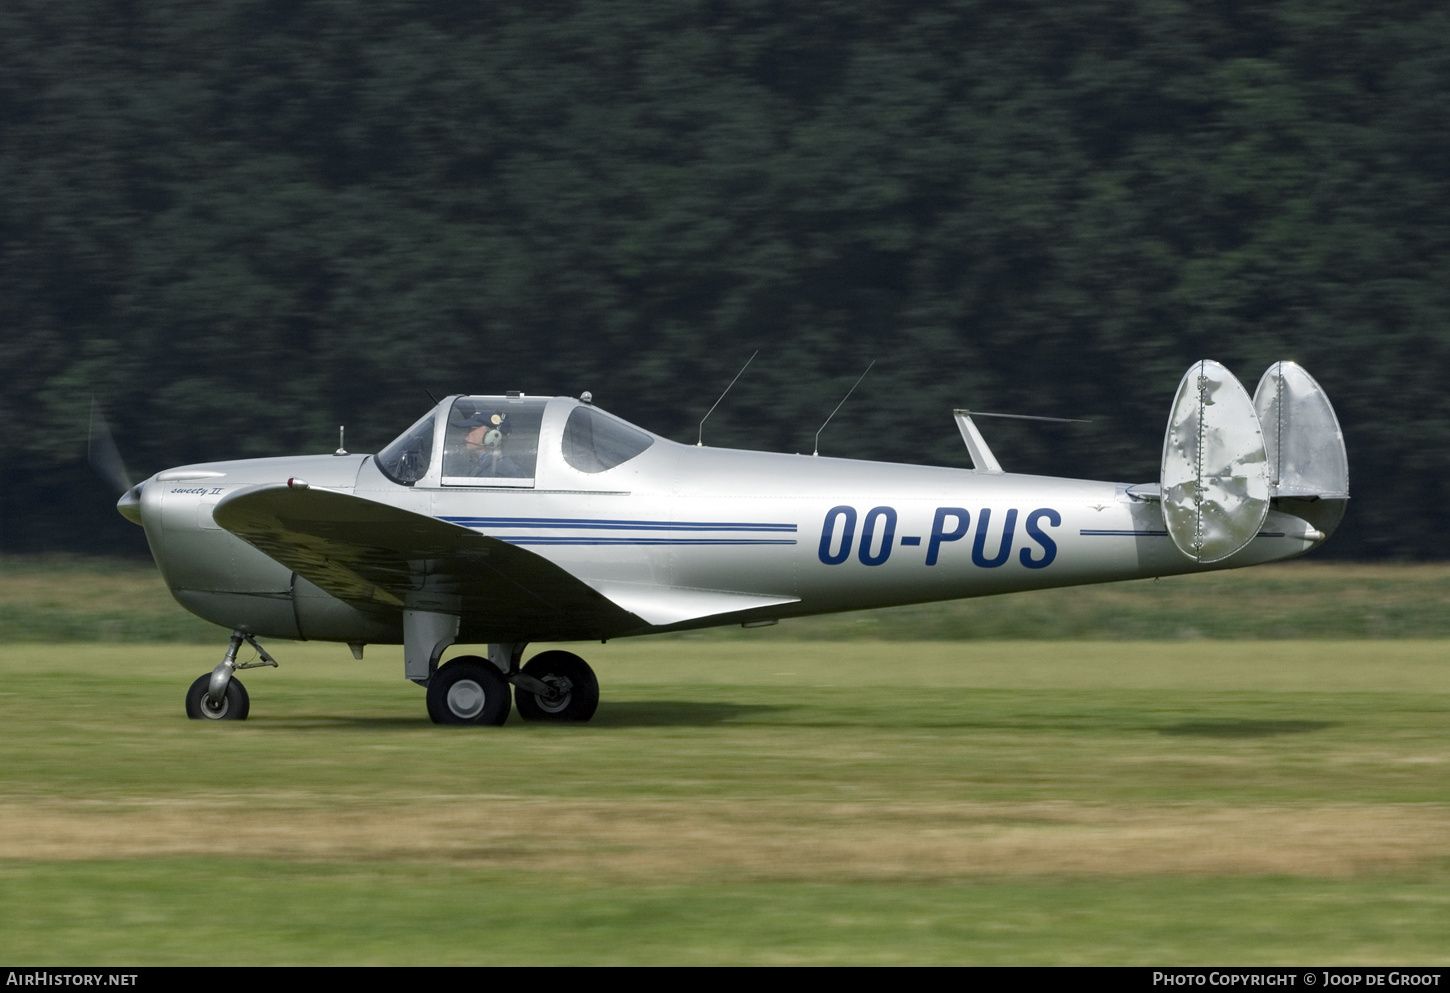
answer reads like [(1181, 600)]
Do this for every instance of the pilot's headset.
[(498, 426), (493, 425)]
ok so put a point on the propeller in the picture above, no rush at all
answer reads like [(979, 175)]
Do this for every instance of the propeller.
[(102, 453)]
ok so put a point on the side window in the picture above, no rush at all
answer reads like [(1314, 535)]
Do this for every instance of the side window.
[(406, 459), (594, 442), (491, 442)]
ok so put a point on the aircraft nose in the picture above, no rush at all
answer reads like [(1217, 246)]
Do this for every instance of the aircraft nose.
[(129, 506)]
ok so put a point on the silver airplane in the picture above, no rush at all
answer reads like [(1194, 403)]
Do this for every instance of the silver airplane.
[(508, 520)]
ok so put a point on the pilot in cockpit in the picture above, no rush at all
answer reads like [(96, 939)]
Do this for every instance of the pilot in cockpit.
[(487, 445)]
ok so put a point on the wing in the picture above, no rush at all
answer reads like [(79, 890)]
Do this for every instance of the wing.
[(381, 559)]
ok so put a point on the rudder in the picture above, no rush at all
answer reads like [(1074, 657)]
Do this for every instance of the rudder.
[(1214, 476), (1302, 437)]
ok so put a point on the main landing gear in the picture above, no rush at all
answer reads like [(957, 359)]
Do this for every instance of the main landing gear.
[(471, 689), (554, 686), (219, 695), (468, 690)]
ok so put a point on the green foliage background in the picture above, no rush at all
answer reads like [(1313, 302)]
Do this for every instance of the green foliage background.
[(242, 223)]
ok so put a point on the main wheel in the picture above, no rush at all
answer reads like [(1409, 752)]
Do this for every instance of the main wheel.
[(468, 690), (234, 706), (576, 689)]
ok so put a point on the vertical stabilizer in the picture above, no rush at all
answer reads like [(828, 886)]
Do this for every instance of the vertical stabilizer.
[(1215, 478), (1302, 437)]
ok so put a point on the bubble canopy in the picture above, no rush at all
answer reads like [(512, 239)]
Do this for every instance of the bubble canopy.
[(495, 441)]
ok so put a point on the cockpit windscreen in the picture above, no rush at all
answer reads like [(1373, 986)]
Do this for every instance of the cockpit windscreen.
[(406, 459)]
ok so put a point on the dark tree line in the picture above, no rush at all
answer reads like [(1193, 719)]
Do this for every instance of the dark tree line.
[(242, 223)]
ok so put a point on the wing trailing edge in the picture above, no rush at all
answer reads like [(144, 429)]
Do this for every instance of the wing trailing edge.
[(666, 605)]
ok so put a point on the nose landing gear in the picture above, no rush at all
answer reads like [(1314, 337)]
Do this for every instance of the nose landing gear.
[(219, 695)]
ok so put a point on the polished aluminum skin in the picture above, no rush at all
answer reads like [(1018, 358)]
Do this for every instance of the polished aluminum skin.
[(1302, 439), (1214, 474), (504, 520)]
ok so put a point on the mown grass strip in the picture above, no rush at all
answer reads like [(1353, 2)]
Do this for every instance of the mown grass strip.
[(52, 599), (234, 911), (775, 802)]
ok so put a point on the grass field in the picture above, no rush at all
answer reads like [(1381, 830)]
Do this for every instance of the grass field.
[(855, 801), (63, 598)]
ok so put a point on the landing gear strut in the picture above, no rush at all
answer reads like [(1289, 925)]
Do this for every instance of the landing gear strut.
[(219, 695)]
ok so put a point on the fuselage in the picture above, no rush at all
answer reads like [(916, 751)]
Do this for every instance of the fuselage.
[(804, 535)]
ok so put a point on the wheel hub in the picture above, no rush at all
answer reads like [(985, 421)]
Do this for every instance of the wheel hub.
[(559, 693), (466, 699)]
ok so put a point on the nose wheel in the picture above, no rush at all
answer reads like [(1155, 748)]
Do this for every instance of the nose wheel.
[(219, 695), (233, 706)]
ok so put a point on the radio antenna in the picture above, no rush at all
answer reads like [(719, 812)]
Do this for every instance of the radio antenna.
[(1029, 417), (817, 451), (700, 440)]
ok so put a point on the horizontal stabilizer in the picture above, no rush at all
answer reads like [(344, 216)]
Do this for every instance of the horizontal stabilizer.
[(1302, 438), (1145, 492), (1215, 481)]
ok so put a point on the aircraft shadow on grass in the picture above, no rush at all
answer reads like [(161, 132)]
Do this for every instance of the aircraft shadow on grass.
[(695, 713), (1244, 729), (624, 714), (674, 713)]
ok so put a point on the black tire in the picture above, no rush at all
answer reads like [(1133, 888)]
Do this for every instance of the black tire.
[(234, 707), (578, 689), (468, 690)]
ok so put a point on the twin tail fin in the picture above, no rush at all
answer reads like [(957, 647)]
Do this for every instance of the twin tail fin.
[(1227, 456)]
